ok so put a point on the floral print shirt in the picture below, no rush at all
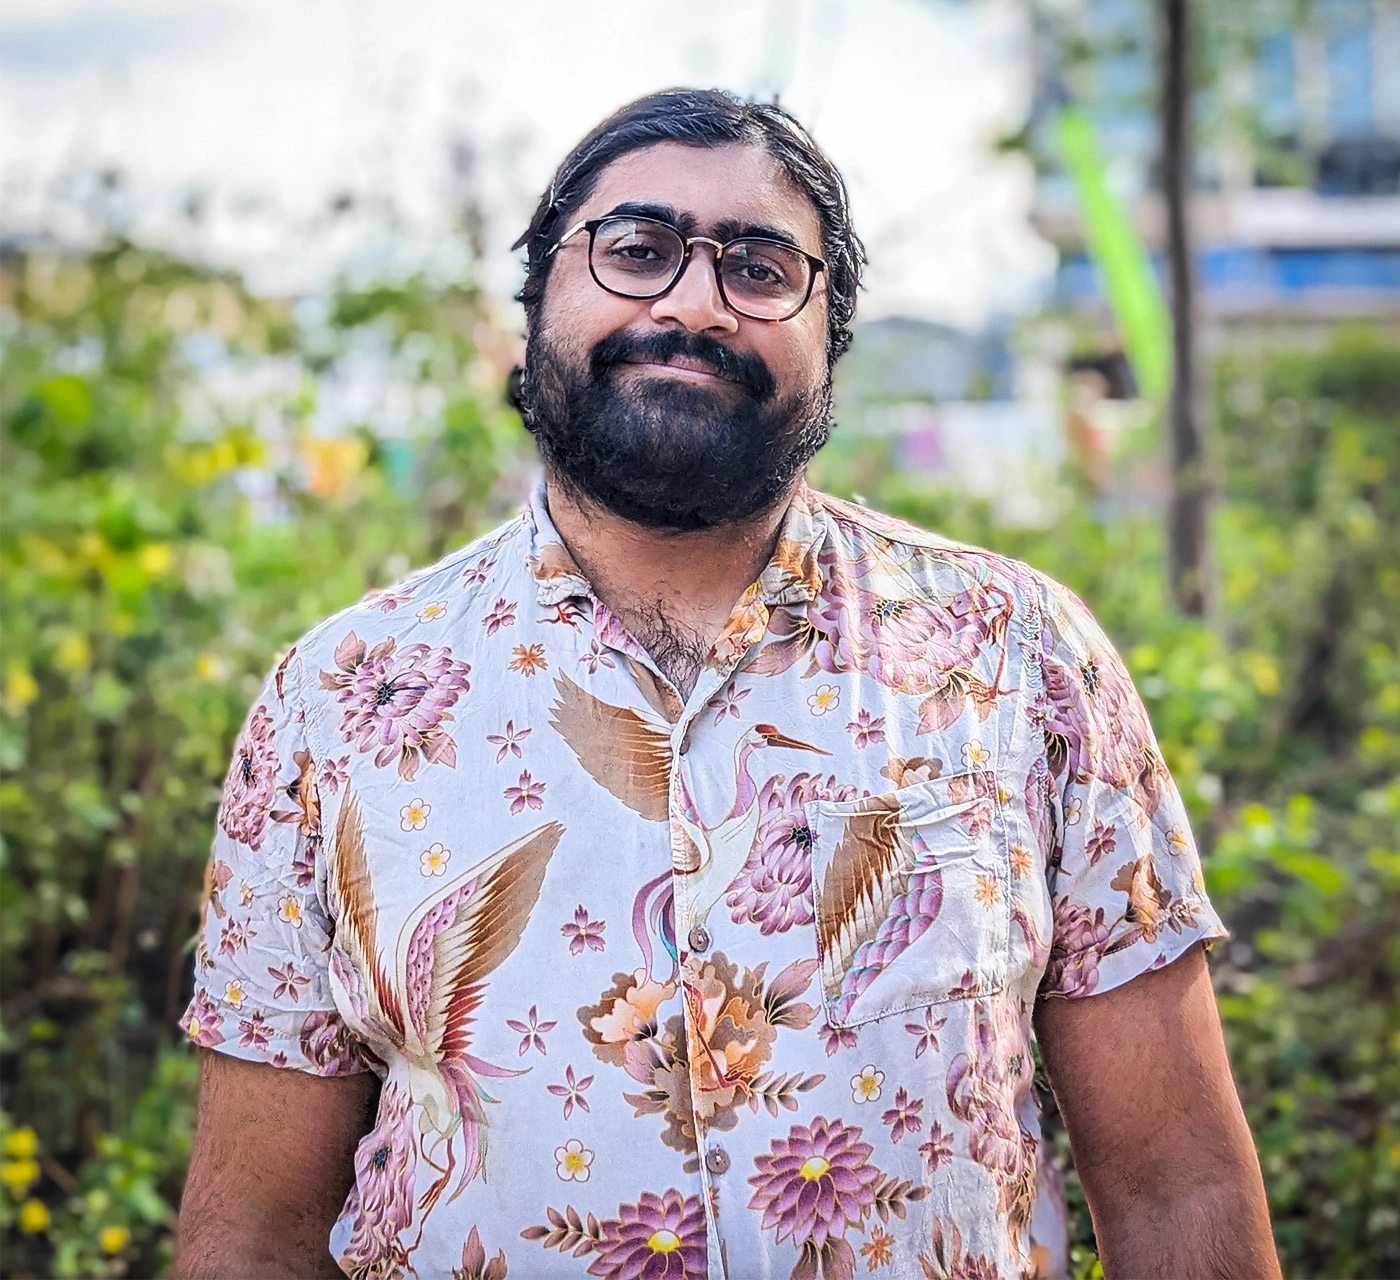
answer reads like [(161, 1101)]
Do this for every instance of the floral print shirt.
[(738, 985)]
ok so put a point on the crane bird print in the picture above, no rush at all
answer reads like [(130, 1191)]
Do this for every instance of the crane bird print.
[(424, 1006)]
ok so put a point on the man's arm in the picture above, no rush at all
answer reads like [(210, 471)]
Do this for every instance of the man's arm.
[(1159, 1138), (272, 1163)]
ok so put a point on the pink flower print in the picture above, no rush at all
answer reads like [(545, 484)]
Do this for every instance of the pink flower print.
[(475, 574), (509, 740), (903, 1117), (661, 1237), (254, 1033), (334, 773), (233, 937), (251, 785), (566, 614), (525, 792), (1078, 946), (501, 615), (329, 1045), (774, 886), (304, 864), (595, 657), (384, 1168), (572, 1092), (866, 730), (815, 1183), (288, 983), (726, 702), (528, 659), (397, 703), (387, 601), (202, 1021), (1101, 841), (583, 932), (926, 1032), (938, 1148), (532, 1032), (834, 1038), (474, 1264)]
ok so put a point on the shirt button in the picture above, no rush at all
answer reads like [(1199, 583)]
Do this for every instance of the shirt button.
[(699, 939), (717, 1160)]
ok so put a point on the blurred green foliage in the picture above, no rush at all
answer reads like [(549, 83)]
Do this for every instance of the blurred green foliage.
[(158, 542), (190, 480)]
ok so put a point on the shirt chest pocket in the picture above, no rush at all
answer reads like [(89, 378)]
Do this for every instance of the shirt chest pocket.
[(912, 897)]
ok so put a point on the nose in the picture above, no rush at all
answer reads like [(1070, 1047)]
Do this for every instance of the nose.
[(694, 300)]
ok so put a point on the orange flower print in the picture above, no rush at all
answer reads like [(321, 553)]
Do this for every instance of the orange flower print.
[(988, 892), (1020, 860), (528, 659), (876, 1250)]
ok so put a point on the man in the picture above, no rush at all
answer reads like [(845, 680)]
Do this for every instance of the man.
[(666, 884)]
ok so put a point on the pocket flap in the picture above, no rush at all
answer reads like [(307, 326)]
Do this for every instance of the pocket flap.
[(911, 897)]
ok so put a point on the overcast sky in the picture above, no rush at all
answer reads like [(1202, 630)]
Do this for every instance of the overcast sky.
[(268, 109)]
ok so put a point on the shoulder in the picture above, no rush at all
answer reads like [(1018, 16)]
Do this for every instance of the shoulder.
[(958, 575), (428, 607)]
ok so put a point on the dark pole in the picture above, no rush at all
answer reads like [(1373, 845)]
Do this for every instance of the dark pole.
[(1187, 516)]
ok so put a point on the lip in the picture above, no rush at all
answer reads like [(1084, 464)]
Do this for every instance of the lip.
[(682, 368)]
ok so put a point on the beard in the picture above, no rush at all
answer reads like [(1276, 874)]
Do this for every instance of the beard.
[(665, 454)]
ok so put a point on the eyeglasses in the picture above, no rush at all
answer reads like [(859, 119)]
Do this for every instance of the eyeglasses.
[(643, 258)]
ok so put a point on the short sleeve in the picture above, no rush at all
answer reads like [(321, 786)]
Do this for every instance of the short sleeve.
[(1124, 873), (262, 983)]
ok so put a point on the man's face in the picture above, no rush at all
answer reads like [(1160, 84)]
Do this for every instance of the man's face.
[(675, 412)]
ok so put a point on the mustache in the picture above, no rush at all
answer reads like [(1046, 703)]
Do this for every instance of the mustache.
[(743, 368)]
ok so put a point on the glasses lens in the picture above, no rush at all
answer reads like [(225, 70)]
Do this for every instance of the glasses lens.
[(764, 279), (635, 257)]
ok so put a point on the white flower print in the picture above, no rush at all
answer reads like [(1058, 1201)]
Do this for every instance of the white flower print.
[(433, 611), (825, 698), (975, 755), (865, 1087), (572, 1161), (234, 993), (434, 859), (289, 910), (414, 815)]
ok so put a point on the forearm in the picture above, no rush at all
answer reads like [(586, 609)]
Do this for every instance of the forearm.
[(1211, 1231), (219, 1252)]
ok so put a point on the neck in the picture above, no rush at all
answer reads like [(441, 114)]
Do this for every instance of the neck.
[(673, 591)]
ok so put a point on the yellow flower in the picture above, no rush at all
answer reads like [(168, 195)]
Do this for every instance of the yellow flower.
[(20, 688), (113, 1239), (33, 1217), (21, 1144), (19, 1175), (156, 558)]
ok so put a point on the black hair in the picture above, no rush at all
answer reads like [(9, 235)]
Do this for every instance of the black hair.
[(705, 118)]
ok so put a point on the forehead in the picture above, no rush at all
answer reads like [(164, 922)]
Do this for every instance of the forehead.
[(708, 186)]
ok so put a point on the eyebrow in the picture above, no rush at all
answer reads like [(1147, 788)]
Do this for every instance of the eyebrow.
[(725, 230)]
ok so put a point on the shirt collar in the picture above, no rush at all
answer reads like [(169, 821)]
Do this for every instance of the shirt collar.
[(792, 576)]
